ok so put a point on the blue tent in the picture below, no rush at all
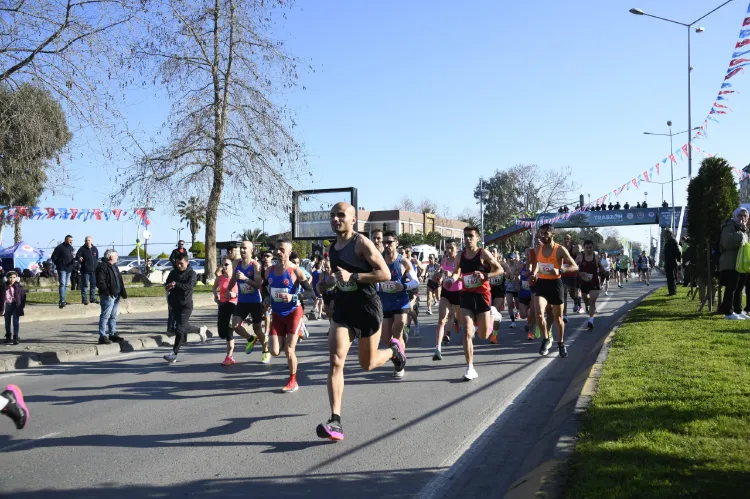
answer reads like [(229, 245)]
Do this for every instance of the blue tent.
[(22, 256)]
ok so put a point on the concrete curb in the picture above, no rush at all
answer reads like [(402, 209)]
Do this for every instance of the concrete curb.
[(40, 313), (197, 334), (547, 480)]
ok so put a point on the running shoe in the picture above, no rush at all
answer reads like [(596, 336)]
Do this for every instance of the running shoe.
[(332, 430), (446, 339), (526, 328), (438, 355), (544, 348), (399, 374), (530, 336), (513, 325), (250, 344), (429, 311), (590, 325), (16, 408), (228, 361), (576, 308), (606, 293), (171, 358), (517, 315), (416, 330), (537, 331), (291, 386), (265, 358), (493, 339), (744, 315), (619, 285), (399, 357), (563, 350), (470, 374), (565, 318), (406, 336)]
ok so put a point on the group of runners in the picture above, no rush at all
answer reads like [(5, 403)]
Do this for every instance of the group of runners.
[(368, 289)]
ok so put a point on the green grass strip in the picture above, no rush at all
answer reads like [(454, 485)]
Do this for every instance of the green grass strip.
[(75, 296), (671, 416)]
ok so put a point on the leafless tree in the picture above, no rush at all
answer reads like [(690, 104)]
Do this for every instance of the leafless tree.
[(71, 48), (405, 204), (427, 206), (221, 69)]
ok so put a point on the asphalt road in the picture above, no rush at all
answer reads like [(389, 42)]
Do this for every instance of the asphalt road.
[(133, 426)]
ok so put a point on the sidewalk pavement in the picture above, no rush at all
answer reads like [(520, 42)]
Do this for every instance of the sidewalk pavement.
[(56, 338), (76, 310)]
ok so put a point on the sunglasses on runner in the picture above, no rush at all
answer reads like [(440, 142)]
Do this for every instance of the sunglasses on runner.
[(227, 264), (389, 242)]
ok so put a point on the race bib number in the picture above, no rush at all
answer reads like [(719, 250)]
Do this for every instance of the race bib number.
[(565, 267), (586, 276), (245, 288), (496, 281), (390, 287), (347, 287), (448, 282), (472, 281), (547, 268), (280, 295), (525, 285)]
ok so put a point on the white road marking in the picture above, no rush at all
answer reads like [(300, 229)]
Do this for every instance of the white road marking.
[(30, 441)]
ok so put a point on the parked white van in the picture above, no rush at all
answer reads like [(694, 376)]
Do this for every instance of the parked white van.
[(425, 250)]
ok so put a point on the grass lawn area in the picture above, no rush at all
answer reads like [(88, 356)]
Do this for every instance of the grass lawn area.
[(672, 414), (74, 296)]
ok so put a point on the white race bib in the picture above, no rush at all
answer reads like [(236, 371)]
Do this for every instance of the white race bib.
[(586, 276), (525, 285), (472, 281), (346, 286), (496, 281), (245, 288), (547, 268), (280, 294), (390, 287)]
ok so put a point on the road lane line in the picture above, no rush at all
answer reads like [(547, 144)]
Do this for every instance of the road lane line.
[(30, 441)]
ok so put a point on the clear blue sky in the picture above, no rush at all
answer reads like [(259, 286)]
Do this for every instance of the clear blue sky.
[(422, 98)]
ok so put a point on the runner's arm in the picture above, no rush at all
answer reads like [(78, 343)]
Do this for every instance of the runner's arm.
[(302, 279), (566, 258), (367, 250), (495, 268), (409, 272)]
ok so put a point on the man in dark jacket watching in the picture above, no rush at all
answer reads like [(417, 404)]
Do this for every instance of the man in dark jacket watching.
[(88, 256), (111, 289), (179, 250), (672, 258), (63, 258), (180, 283)]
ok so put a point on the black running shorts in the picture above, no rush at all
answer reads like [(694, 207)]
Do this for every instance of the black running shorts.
[(389, 314), (586, 288), (254, 311), (432, 285), (497, 292), (363, 316), (551, 290), (525, 301), (476, 303), (453, 297)]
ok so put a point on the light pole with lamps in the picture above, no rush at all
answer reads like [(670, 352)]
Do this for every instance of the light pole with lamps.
[(482, 194), (639, 12), (671, 155)]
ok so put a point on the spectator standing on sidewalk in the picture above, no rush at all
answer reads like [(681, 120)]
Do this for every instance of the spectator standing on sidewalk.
[(672, 258), (88, 257), (180, 283), (75, 276), (733, 235), (179, 250), (111, 289), (12, 303), (63, 258)]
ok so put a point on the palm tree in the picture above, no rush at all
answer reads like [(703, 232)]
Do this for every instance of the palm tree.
[(255, 235), (192, 211)]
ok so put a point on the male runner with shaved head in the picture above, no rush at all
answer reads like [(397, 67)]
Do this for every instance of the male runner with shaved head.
[(357, 267)]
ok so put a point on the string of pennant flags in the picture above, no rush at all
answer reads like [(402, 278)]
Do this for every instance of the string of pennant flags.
[(737, 64), (84, 214)]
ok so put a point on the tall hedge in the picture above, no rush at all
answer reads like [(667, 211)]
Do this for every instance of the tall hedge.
[(712, 197)]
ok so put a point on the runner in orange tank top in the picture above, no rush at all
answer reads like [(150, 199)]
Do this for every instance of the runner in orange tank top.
[(549, 289)]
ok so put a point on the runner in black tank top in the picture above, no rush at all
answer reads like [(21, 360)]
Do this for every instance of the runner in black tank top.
[(589, 268), (357, 312)]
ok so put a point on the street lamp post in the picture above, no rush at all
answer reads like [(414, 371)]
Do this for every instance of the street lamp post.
[(671, 163), (482, 194), (639, 12)]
